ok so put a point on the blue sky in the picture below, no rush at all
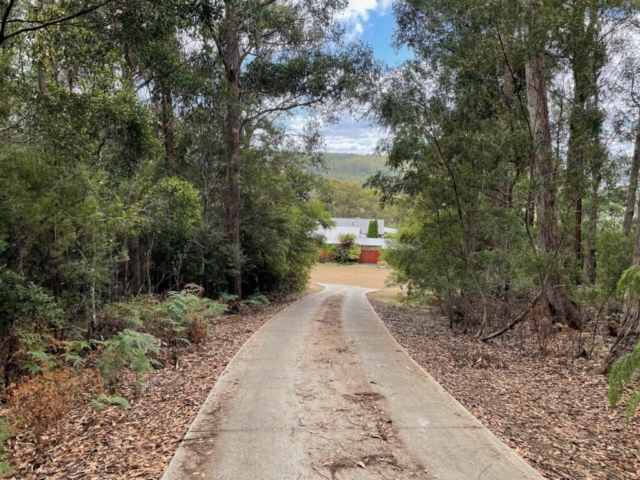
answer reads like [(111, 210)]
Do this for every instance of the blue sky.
[(371, 21)]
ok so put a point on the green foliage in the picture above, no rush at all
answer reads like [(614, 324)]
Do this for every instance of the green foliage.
[(5, 434), (257, 299), (615, 252), (630, 282), (103, 400), (169, 320), (129, 349), (347, 251), (345, 199), (620, 376), (352, 168), (372, 231)]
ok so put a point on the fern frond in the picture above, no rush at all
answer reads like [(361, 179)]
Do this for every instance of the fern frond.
[(621, 374)]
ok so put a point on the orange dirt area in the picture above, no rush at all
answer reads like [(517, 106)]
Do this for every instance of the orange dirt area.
[(355, 275)]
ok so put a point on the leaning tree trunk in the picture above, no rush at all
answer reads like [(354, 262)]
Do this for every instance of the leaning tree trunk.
[(629, 332), (633, 185), (233, 150), (544, 172)]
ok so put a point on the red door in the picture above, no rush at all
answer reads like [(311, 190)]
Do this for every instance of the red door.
[(369, 255)]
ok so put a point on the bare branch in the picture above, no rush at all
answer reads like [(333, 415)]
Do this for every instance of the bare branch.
[(516, 320)]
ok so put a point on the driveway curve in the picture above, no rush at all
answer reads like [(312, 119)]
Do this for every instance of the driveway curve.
[(324, 391)]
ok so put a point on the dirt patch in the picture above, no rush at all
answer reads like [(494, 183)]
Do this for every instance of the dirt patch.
[(350, 434), (138, 443), (551, 409), (355, 275)]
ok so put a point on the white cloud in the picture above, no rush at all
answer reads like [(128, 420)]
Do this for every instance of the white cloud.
[(348, 135), (352, 136), (357, 14)]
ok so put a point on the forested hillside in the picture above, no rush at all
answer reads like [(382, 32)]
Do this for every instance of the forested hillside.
[(344, 193), (352, 168)]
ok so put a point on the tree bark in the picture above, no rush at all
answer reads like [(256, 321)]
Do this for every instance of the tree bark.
[(633, 185), (629, 332), (233, 200), (134, 264), (168, 120), (42, 78), (544, 172), (592, 217)]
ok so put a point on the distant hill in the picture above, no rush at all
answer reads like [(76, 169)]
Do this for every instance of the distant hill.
[(354, 168)]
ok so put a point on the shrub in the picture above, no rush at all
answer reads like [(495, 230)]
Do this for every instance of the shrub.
[(182, 317), (620, 376), (5, 434), (129, 349), (373, 231), (39, 403), (348, 250)]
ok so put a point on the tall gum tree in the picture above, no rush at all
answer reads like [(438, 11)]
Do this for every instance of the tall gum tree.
[(544, 171), (278, 56)]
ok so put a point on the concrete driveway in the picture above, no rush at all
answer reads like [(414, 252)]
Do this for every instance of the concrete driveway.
[(324, 391)]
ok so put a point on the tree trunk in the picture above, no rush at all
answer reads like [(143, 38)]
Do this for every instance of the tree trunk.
[(168, 120), (592, 229), (629, 332), (233, 149), (544, 172), (42, 78), (578, 134), (633, 185), (134, 264), (575, 168)]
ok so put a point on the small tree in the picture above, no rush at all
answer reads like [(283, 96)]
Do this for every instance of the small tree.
[(373, 229), (348, 250)]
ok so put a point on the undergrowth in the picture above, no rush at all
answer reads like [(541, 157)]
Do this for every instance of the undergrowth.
[(5, 434), (621, 375), (56, 370)]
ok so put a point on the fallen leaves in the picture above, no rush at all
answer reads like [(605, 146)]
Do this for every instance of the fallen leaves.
[(551, 409), (138, 443)]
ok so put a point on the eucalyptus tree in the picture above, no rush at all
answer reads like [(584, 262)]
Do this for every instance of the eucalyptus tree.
[(19, 17), (544, 168), (278, 56)]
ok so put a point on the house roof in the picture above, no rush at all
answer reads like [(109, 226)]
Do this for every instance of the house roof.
[(331, 234), (332, 237), (361, 223), (389, 231), (363, 241)]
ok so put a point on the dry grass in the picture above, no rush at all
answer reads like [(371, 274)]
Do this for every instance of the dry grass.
[(354, 275)]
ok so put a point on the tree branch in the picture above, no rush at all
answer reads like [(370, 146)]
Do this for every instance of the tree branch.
[(516, 320), (5, 19), (49, 23)]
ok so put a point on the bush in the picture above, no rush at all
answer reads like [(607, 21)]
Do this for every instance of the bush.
[(39, 403), (620, 376), (126, 349), (5, 434), (348, 250), (373, 231), (181, 318)]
